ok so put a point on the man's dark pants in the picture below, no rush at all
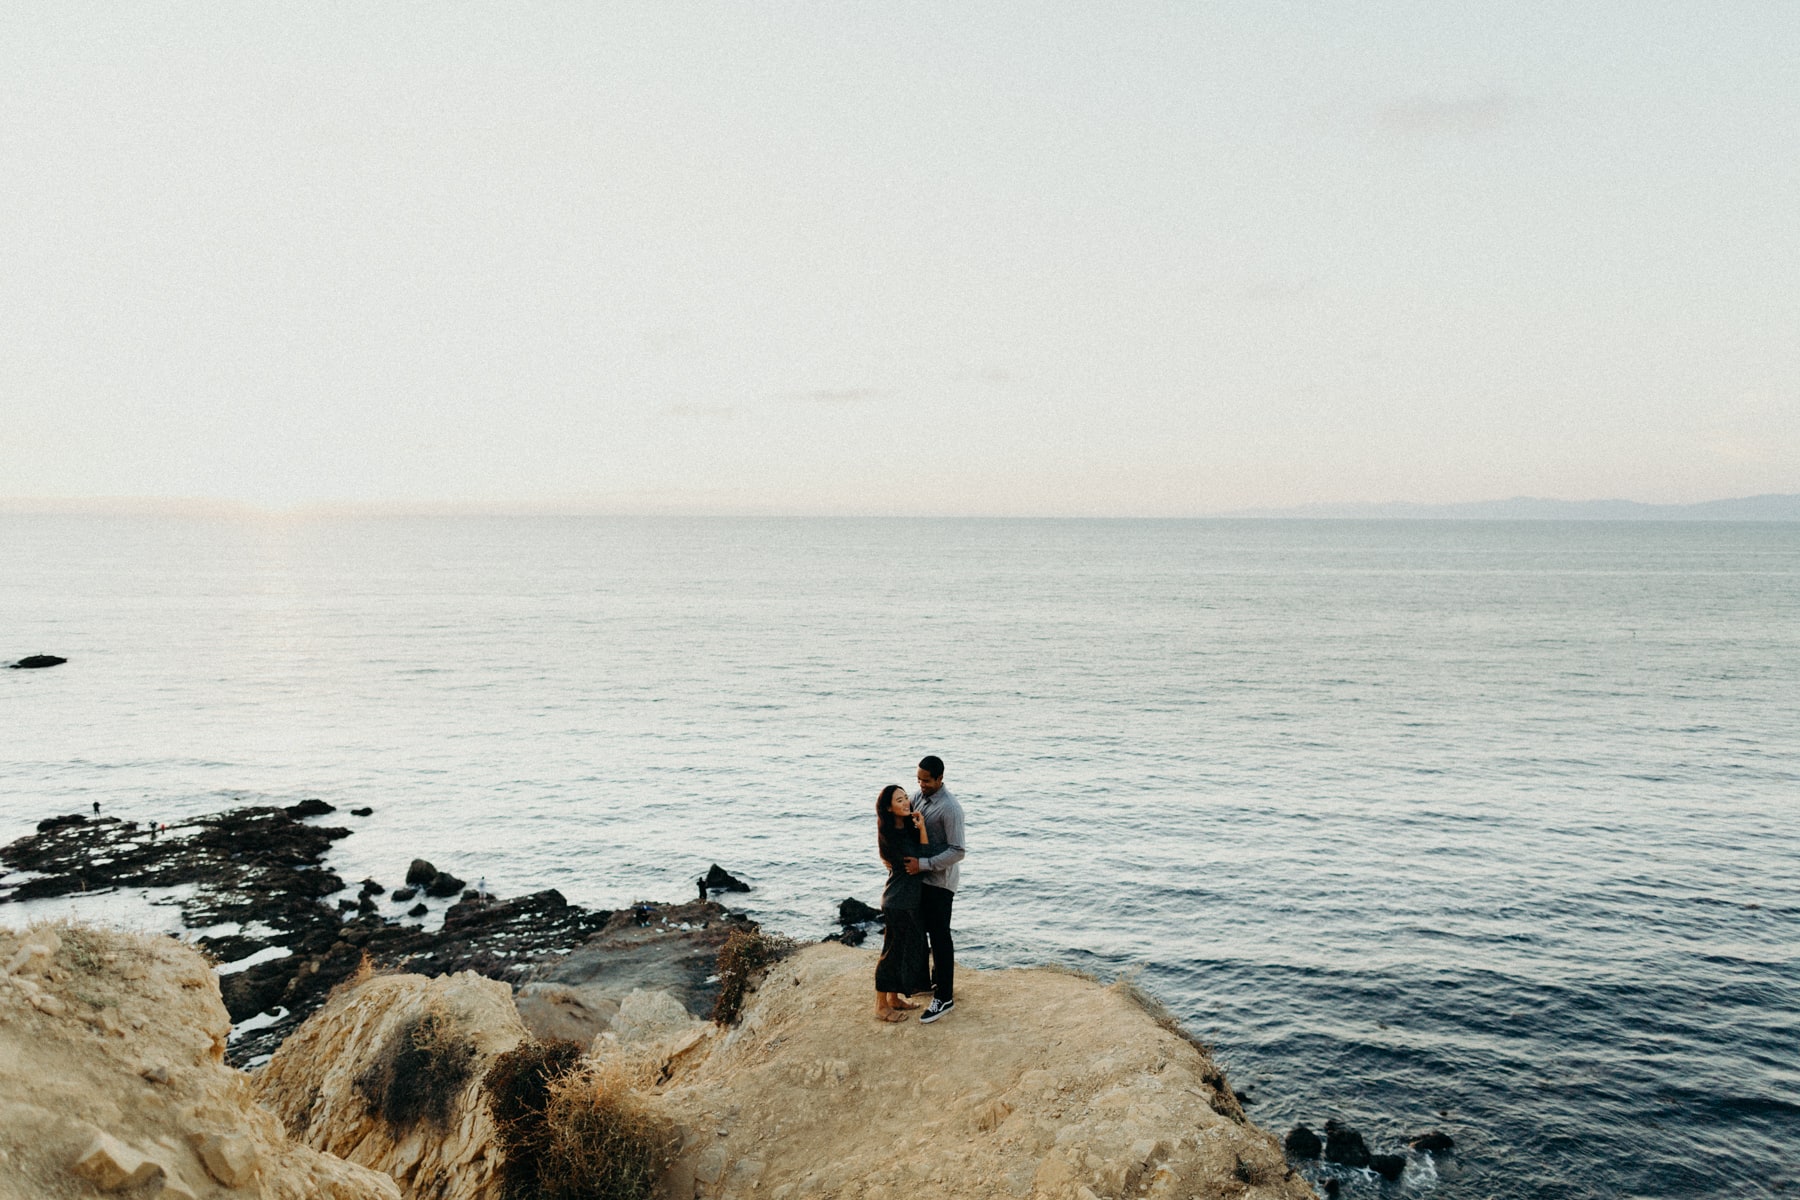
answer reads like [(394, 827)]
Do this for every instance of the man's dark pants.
[(934, 914)]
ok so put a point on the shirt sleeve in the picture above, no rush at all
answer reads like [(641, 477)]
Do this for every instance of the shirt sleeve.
[(953, 851)]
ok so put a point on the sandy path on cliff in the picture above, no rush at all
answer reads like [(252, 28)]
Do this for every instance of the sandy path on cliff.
[(1039, 1083)]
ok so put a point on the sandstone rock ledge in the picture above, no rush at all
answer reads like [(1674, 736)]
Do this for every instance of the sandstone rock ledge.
[(1040, 1084), (112, 1080)]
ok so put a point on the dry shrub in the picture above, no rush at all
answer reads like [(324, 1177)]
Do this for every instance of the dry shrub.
[(746, 954), (592, 1139), (419, 1073), (517, 1086)]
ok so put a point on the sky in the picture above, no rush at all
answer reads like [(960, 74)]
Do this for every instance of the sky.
[(1058, 259)]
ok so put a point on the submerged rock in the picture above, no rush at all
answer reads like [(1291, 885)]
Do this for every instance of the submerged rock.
[(1303, 1143), (1389, 1166), (1435, 1142), (310, 808), (852, 911), (718, 879), (444, 884), (33, 662), (1345, 1146)]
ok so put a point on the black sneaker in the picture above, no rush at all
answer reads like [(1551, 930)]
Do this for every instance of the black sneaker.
[(936, 1009)]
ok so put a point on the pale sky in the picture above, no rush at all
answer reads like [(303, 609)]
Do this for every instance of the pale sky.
[(1152, 259)]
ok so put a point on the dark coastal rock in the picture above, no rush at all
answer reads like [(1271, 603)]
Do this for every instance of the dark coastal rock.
[(1435, 1142), (265, 865), (371, 888), (402, 895), (676, 950), (854, 912), (1332, 1189), (33, 662), (309, 808), (417, 910), (420, 873), (1345, 1146), (720, 880), (1389, 1166), (362, 812), (853, 935), (49, 823), (443, 884), (1303, 1143)]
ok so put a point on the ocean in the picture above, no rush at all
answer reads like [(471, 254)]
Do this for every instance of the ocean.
[(1487, 827)]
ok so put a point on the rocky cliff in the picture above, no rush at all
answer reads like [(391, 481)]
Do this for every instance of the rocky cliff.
[(1039, 1084), (112, 1080)]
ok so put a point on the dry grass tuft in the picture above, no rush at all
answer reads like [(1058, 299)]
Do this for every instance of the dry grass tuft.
[(573, 1131), (419, 1074), (517, 1086), (746, 954)]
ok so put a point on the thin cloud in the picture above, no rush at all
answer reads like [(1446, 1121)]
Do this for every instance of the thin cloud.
[(850, 395), (1450, 116), (712, 412)]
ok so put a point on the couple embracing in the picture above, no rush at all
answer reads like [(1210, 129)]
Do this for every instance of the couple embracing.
[(920, 837)]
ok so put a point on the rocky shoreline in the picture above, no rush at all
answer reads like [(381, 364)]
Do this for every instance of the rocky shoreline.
[(287, 930)]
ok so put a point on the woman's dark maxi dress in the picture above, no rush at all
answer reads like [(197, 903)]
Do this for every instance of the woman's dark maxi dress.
[(903, 966)]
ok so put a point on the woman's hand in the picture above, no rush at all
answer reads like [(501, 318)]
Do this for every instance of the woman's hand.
[(918, 820)]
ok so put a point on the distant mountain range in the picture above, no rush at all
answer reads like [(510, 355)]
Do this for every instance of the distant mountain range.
[(1528, 508)]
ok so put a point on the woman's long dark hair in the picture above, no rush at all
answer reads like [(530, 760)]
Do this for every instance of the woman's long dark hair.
[(888, 838)]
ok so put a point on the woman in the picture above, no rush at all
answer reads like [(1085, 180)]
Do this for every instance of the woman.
[(901, 970)]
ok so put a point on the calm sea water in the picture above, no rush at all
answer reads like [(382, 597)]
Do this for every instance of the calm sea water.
[(1488, 827)]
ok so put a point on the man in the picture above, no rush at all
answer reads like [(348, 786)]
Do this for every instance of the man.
[(943, 824)]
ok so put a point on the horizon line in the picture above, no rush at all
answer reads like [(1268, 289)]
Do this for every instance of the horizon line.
[(674, 505)]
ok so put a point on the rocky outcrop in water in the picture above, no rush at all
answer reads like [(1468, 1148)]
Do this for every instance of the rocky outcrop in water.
[(111, 1078), (33, 662), (263, 869), (718, 879)]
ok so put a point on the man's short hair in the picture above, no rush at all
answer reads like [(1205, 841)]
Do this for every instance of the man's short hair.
[(932, 765)]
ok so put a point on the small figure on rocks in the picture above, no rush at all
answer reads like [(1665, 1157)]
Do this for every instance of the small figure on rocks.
[(96, 808)]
